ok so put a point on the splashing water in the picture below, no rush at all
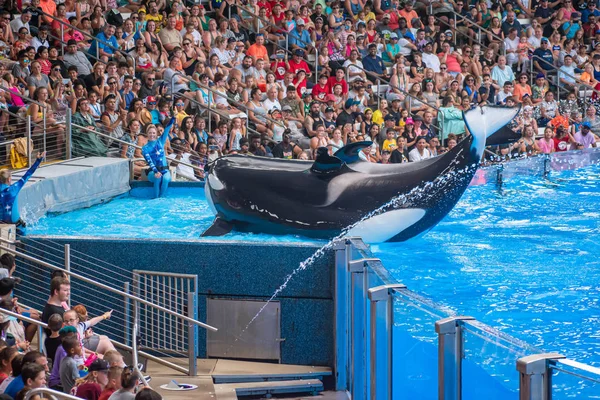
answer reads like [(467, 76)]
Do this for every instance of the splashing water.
[(418, 192)]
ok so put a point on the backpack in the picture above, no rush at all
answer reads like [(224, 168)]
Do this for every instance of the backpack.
[(114, 17)]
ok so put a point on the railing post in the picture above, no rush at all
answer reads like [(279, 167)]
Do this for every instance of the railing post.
[(547, 165), (499, 175), (535, 378), (68, 266), (44, 137), (68, 135), (29, 149), (358, 327), (62, 37), (381, 324), (455, 30), (343, 253), (450, 355), (127, 315), (317, 65), (192, 334), (378, 89)]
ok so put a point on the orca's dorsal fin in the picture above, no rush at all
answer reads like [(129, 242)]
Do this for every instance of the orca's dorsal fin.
[(324, 163), (349, 153)]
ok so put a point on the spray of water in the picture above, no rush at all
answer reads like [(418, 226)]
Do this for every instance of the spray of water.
[(416, 193)]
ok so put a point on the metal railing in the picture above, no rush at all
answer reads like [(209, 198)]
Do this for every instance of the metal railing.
[(391, 342), (211, 111), (554, 70), (237, 104), (29, 124), (480, 29), (268, 24), (108, 137), (404, 92), (88, 286), (49, 393), (95, 40)]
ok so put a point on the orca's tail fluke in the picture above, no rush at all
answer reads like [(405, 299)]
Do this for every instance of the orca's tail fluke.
[(504, 136), (485, 121), (219, 227)]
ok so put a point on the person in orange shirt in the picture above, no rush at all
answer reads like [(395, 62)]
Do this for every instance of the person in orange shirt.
[(522, 88), (49, 7), (408, 13), (258, 49)]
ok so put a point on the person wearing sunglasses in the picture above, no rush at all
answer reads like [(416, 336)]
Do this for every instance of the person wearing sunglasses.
[(21, 69)]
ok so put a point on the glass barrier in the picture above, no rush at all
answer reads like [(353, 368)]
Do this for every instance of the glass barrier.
[(414, 346), (489, 365), (574, 159), (410, 344), (571, 379)]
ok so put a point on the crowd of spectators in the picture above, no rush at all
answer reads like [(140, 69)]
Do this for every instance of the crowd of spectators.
[(283, 78), (72, 359)]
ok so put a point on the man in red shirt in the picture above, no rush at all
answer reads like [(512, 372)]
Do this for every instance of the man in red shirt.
[(338, 78), (297, 63)]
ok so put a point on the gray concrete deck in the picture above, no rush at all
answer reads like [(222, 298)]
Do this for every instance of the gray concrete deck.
[(207, 369)]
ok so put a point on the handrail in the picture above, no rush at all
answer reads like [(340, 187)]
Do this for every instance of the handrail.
[(87, 53), (379, 79), (23, 317), (107, 288), (558, 82), (236, 103), (287, 40), (214, 110), (51, 393), (128, 144), (29, 100), (481, 28), (151, 357), (94, 38), (268, 23)]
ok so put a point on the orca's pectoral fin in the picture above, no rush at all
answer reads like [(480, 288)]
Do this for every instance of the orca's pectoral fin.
[(504, 136), (349, 153), (219, 227)]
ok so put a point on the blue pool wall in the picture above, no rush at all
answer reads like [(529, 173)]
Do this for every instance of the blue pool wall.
[(232, 270)]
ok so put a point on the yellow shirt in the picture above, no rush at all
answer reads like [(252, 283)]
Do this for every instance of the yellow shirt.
[(370, 16), (377, 117), (389, 145), (156, 18), (179, 117)]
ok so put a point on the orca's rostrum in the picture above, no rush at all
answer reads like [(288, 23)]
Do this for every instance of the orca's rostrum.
[(320, 199)]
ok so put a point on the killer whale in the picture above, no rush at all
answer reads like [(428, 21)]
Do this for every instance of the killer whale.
[(320, 199)]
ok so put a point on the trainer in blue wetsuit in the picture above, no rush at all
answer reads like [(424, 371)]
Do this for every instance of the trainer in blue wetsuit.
[(154, 153), (9, 192)]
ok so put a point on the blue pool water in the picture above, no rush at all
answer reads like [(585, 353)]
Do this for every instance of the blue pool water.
[(524, 260)]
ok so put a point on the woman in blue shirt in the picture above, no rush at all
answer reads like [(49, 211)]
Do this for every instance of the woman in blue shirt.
[(9, 192), (154, 154)]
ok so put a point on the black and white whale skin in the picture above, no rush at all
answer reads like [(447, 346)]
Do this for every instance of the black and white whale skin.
[(321, 199)]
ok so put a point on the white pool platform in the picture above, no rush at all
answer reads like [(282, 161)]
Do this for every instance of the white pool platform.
[(69, 185)]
